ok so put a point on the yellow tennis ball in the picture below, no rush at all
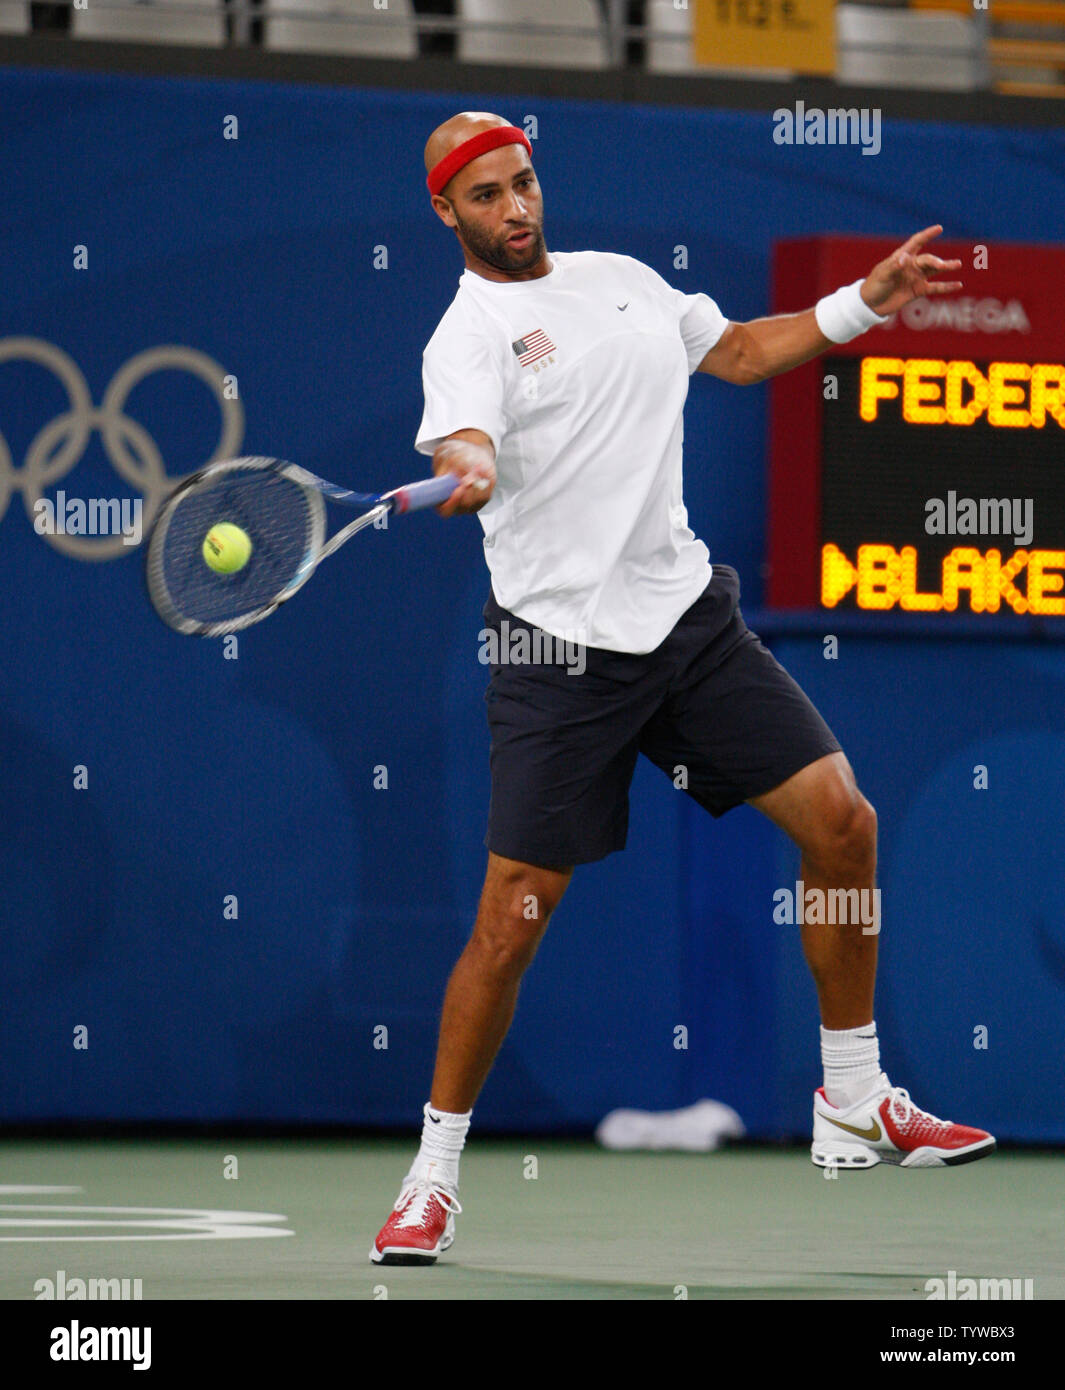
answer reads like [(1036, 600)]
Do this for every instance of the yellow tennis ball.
[(226, 548)]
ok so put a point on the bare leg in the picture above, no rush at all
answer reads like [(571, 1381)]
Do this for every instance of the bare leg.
[(823, 811), (516, 902)]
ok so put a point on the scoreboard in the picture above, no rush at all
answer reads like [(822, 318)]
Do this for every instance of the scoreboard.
[(920, 468)]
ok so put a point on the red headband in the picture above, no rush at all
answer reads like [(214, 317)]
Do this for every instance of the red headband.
[(441, 174)]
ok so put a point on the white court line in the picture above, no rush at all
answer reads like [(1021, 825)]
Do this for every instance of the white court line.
[(166, 1223), (27, 1189)]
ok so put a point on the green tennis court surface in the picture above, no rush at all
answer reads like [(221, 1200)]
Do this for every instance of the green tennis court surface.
[(746, 1223)]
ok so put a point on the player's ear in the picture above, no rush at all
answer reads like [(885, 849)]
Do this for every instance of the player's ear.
[(442, 208)]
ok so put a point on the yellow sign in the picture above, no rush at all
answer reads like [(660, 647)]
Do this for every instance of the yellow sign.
[(1015, 395), (796, 35), (883, 577)]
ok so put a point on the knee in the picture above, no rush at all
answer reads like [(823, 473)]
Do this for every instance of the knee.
[(847, 830), (512, 921), (507, 943)]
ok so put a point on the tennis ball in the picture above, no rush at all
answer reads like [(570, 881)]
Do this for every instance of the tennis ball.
[(226, 548)]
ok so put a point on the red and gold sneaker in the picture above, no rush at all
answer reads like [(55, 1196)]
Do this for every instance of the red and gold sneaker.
[(886, 1127), (422, 1226)]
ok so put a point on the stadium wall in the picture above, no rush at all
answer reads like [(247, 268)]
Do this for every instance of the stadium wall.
[(253, 778)]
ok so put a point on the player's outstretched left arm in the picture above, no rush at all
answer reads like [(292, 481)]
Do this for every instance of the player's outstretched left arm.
[(747, 353), (907, 274)]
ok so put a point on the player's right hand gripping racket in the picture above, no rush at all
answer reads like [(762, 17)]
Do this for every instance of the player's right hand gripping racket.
[(280, 509)]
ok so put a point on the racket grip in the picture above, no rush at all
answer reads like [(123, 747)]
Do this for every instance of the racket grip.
[(430, 492)]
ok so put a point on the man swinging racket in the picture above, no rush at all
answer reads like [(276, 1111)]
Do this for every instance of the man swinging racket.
[(555, 388)]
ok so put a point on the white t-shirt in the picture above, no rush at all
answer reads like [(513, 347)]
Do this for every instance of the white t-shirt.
[(579, 378)]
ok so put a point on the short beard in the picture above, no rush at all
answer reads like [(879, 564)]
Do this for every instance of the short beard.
[(488, 252)]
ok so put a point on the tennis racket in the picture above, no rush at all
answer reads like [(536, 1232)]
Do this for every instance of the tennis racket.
[(279, 506)]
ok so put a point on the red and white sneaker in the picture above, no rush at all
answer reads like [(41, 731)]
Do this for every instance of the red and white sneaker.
[(886, 1127), (422, 1226)]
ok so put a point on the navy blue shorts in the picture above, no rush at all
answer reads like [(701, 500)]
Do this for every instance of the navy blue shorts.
[(710, 706)]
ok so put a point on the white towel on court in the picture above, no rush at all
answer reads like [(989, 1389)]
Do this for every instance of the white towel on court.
[(699, 1128)]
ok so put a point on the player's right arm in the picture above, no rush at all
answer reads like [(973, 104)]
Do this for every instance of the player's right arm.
[(470, 454)]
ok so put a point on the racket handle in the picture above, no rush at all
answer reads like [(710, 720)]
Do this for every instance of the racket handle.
[(412, 497)]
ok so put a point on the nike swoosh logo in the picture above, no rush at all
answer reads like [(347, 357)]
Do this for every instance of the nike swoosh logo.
[(872, 1133), (624, 306), (435, 1119)]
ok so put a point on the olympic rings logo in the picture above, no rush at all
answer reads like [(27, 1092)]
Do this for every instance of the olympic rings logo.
[(56, 449)]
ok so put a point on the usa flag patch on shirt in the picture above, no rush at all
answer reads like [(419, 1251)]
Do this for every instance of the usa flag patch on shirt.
[(532, 347)]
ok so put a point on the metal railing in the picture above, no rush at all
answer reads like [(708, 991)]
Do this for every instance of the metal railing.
[(243, 24)]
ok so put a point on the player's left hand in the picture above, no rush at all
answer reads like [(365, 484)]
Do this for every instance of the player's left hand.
[(907, 274)]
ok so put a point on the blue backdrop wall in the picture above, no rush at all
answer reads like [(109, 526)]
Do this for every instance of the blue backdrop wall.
[(254, 777)]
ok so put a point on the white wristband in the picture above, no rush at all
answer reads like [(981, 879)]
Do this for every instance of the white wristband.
[(845, 314)]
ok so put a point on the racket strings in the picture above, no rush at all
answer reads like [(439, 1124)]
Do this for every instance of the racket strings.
[(281, 520)]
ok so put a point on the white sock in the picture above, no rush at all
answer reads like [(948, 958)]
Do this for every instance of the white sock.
[(851, 1058), (443, 1137)]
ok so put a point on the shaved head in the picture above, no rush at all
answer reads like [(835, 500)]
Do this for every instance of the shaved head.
[(493, 203), (456, 131)]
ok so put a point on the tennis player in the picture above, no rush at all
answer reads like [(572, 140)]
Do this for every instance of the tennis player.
[(554, 388)]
